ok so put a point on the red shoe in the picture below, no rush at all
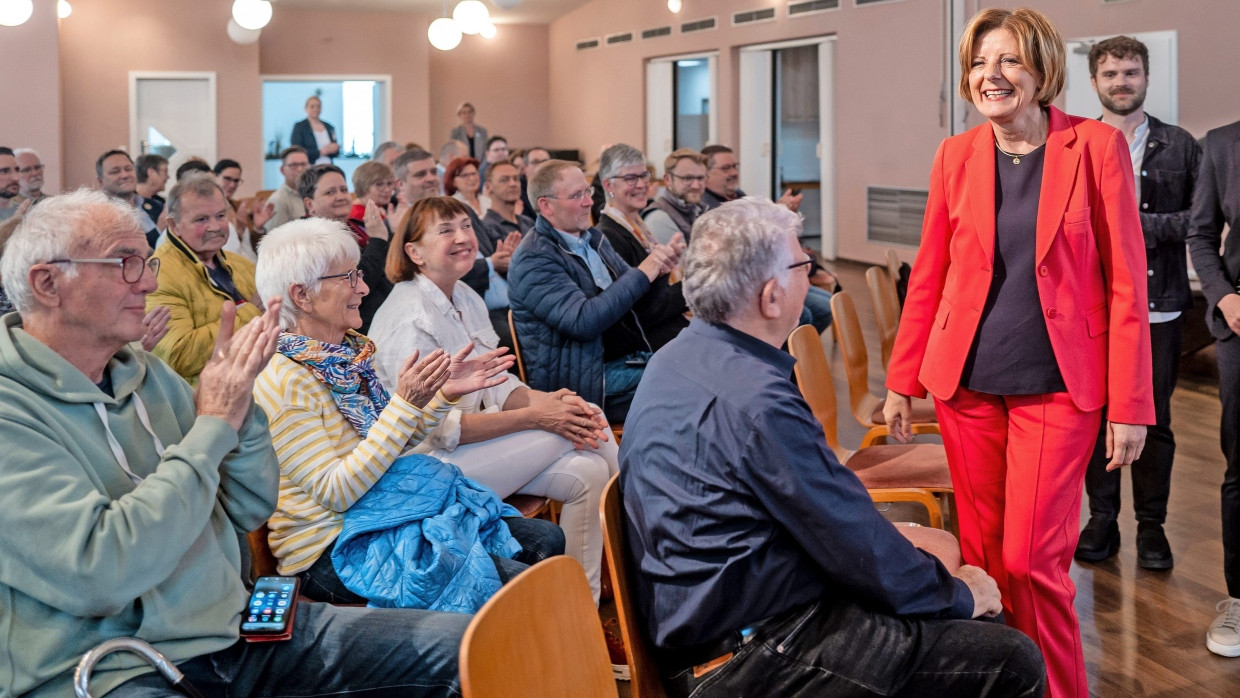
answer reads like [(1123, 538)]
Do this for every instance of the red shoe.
[(615, 648)]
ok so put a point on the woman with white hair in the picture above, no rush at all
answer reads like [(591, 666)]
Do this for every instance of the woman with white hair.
[(335, 428)]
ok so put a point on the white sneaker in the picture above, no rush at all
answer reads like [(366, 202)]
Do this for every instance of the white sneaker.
[(1223, 637)]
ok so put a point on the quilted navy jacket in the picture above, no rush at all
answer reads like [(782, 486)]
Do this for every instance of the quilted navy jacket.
[(561, 315)]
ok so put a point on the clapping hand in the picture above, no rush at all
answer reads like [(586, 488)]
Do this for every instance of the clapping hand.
[(375, 227), (155, 326), (226, 384), (468, 375), (420, 380)]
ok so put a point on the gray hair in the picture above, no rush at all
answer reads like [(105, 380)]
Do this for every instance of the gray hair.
[(733, 251), (384, 147), (616, 158), (53, 230), (18, 152), (299, 252), (200, 184)]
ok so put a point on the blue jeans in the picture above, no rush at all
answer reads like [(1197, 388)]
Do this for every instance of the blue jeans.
[(817, 309), (838, 648), (334, 651), (620, 383), (539, 540)]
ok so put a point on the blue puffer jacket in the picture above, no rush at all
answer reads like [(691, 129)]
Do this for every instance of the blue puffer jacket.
[(561, 315), (420, 538)]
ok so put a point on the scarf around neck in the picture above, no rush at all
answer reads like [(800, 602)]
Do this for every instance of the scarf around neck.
[(346, 369)]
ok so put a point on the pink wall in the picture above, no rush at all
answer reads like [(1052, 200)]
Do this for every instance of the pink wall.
[(888, 81), (319, 42), (507, 79), (30, 114), (102, 41)]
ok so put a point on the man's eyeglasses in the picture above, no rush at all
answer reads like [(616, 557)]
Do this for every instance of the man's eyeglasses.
[(30, 168), (354, 276), (632, 179), (692, 179), (586, 193), (731, 167), (808, 262), (132, 266), (233, 180)]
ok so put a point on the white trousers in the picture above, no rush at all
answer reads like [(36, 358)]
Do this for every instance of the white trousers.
[(546, 465)]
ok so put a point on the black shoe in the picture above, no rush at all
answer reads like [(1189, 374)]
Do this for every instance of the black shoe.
[(1153, 551), (1099, 540)]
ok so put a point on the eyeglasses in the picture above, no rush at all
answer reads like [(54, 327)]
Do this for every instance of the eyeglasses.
[(467, 175), (731, 167), (632, 179), (233, 180), (354, 276), (807, 263), (30, 168), (692, 179), (132, 266), (587, 193)]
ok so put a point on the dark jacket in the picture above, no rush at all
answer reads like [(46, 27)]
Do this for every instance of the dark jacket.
[(1168, 174), (303, 135), (1216, 201), (479, 277), (372, 264), (659, 315), (561, 315)]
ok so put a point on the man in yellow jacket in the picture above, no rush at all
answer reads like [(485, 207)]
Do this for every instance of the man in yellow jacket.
[(196, 276)]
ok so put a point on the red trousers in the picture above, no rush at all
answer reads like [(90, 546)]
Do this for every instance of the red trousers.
[(1017, 466)]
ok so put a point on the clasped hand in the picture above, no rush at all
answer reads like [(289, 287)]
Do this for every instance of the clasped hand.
[(567, 414)]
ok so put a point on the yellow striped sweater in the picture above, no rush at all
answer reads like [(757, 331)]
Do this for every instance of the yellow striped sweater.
[(325, 466)]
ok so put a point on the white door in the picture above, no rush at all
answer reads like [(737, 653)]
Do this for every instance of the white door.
[(754, 149), (659, 109), (172, 114), (689, 119), (1161, 100)]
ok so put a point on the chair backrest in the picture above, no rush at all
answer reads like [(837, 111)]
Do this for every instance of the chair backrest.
[(644, 672), (886, 309), (516, 346), (538, 636), (893, 270), (852, 350), (815, 381), (262, 561)]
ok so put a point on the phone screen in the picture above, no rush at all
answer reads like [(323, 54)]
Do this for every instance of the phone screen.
[(271, 606)]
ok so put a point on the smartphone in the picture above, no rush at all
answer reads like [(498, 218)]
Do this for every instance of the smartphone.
[(272, 605)]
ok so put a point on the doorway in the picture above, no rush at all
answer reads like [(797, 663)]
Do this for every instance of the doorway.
[(787, 130), (172, 114), (680, 104)]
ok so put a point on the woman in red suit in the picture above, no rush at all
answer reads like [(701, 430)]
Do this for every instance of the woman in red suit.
[(1026, 314)]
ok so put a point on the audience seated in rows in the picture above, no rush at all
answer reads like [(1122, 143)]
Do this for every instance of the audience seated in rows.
[(117, 178), (245, 222), (533, 158), (134, 529), (153, 176), (680, 201), (198, 276), (286, 201), (10, 184), (462, 182), (568, 287), (508, 437), (30, 167), (337, 431), (763, 567)]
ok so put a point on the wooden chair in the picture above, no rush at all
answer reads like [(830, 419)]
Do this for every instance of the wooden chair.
[(644, 681), (262, 561), (867, 407), (891, 473), (886, 309), (893, 271), (538, 636)]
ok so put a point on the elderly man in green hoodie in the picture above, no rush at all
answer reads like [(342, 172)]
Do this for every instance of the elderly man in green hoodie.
[(125, 495)]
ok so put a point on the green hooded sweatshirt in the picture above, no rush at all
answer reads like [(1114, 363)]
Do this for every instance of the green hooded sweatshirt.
[(88, 552)]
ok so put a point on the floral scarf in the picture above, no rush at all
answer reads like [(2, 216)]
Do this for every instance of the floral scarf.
[(346, 369)]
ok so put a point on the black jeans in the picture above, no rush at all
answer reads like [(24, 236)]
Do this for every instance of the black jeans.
[(842, 649), (1151, 473), (1228, 352), (539, 540)]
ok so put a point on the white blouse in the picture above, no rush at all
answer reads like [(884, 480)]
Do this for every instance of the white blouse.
[(417, 315)]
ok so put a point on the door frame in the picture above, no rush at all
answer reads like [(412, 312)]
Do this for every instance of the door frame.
[(386, 79), (135, 138), (761, 150), (664, 127)]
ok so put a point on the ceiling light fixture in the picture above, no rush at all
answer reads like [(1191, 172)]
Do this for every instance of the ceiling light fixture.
[(251, 14), (444, 34), (674, 5), (488, 32), (471, 16), (63, 9), (15, 12), (241, 35)]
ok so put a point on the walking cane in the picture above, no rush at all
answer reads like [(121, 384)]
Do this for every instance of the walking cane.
[(81, 675)]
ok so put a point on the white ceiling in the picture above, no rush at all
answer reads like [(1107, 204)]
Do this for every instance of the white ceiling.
[(527, 12)]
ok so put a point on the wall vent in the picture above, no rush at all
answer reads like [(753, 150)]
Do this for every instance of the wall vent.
[(811, 6), (764, 15), (859, 3), (621, 38), (587, 44), (656, 33), (698, 25), (894, 215)]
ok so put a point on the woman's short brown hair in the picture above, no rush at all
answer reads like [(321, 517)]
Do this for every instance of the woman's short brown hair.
[(367, 175), (453, 170), (412, 227), (1041, 48)]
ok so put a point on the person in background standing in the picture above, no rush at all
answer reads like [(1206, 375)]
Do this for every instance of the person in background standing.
[(316, 136)]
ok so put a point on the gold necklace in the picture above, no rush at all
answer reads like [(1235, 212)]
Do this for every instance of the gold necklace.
[(1015, 156)]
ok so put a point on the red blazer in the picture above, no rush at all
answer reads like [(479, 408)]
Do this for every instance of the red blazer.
[(1090, 269)]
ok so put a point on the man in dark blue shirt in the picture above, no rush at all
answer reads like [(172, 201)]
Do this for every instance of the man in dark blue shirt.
[(763, 567)]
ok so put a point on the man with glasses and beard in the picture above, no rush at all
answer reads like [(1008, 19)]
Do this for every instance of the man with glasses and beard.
[(1165, 160)]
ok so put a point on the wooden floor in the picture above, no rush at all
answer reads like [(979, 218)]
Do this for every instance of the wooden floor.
[(1143, 631)]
